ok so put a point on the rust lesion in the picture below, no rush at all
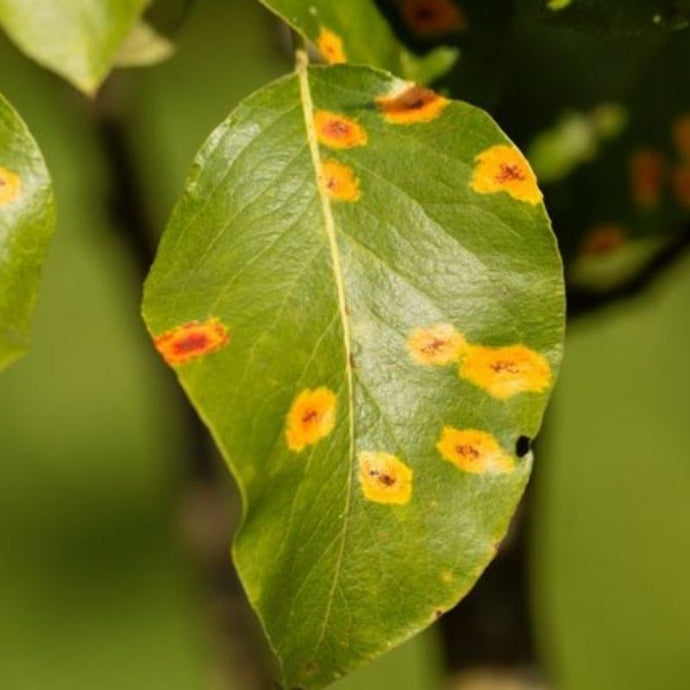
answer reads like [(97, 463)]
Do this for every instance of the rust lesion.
[(339, 181), (436, 345), (192, 340), (311, 418), (330, 46), (10, 186), (384, 478), (474, 451), (338, 131), (412, 103)]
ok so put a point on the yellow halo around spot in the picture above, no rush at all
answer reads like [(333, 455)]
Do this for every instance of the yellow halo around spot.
[(192, 340), (506, 371), (311, 418), (436, 345), (10, 186), (411, 104), (384, 478), (502, 168), (474, 451), (330, 46), (337, 131), (339, 181)]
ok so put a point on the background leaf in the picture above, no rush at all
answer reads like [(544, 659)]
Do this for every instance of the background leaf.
[(27, 219), (356, 32), (264, 289), (78, 39)]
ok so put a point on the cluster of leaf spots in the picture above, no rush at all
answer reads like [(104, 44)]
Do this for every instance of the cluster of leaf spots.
[(501, 371), (502, 168), (311, 418), (192, 340), (10, 186)]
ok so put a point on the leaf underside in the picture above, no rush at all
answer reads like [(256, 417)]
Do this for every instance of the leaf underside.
[(281, 285), (27, 219), (78, 39), (356, 32)]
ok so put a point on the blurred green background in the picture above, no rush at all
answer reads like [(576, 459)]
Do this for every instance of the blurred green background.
[(97, 588)]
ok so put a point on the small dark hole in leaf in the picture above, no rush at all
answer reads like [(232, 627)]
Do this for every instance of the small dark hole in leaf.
[(523, 445)]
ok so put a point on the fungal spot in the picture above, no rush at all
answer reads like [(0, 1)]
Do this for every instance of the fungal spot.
[(523, 446), (384, 478), (192, 340), (681, 185), (473, 451), (681, 136), (337, 131), (647, 174), (603, 239), (311, 418), (436, 345), (502, 168), (506, 371), (433, 18), (330, 46), (411, 104), (10, 186), (339, 181)]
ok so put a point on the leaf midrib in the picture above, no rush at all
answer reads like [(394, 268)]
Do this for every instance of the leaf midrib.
[(302, 68)]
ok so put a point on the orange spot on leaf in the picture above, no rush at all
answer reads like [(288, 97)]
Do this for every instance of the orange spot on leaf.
[(192, 340), (384, 478), (603, 239), (10, 186), (473, 451), (502, 168), (311, 418), (436, 345), (330, 46), (506, 371), (412, 104), (647, 175), (432, 18), (337, 131), (339, 181)]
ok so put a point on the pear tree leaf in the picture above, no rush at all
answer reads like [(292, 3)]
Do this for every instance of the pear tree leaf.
[(357, 32), (361, 294), (78, 39), (27, 220)]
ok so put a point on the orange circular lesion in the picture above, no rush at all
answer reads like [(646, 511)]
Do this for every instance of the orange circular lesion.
[(411, 104), (433, 18), (311, 417), (330, 46), (603, 239), (338, 131), (648, 171), (473, 451), (436, 345), (506, 371), (502, 168), (10, 186), (384, 478), (192, 340), (339, 181)]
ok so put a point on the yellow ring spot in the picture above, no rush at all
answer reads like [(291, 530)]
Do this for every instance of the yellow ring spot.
[(337, 131), (384, 478), (506, 371), (311, 418), (192, 340), (10, 186), (339, 181), (502, 168), (330, 46), (411, 104), (473, 451), (436, 345)]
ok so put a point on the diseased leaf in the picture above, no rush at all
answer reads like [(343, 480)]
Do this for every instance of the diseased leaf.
[(78, 39), (27, 219), (356, 32), (361, 294)]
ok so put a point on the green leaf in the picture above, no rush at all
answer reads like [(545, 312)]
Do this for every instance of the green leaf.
[(356, 32), (27, 220), (78, 39), (321, 328), (619, 16)]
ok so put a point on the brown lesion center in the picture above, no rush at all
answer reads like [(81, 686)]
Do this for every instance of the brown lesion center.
[(383, 478), (192, 343), (510, 172), (309, 416), (505, 365), (414, 98), (337, 128), (467, 451), (434, 346)]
